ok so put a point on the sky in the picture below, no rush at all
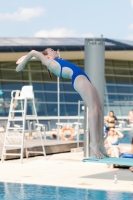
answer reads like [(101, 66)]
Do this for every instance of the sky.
[(67, 18)]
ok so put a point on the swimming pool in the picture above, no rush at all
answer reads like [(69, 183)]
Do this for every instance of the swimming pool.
[(14, 191), (127, 139)]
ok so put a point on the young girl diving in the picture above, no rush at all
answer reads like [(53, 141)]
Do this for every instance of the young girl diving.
[(82, 84)]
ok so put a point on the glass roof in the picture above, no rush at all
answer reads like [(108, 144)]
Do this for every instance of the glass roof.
[(64, 44)]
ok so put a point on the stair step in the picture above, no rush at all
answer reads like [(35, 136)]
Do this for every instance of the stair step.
[(16, 119), (12, 145), (10, 136), (11, 154), (15, 128)]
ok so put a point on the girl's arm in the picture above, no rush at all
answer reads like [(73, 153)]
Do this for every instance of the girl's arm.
[(35, 54), (120, 135), (22, 58), (105, 119), (107, 141)]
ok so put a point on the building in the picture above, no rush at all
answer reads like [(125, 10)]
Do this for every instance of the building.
[(118, 77)]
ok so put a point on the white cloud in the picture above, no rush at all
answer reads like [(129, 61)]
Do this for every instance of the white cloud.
[(129, 37), (60, 32), (22, 14), (131, 2), (131, 26)]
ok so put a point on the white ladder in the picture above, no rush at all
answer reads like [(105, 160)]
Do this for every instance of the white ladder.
[(25, 95)]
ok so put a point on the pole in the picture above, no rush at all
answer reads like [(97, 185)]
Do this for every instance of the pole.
[(78, 124), (58, 105), (94, 68), (86, 134)]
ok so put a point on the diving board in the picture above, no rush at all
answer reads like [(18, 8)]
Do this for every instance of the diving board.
[(111, 160)]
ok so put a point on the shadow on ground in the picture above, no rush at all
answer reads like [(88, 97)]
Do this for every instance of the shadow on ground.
[(123, 174)]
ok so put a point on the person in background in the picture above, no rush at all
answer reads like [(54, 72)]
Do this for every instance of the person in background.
[(53, 136), (109, 122), (130, 117), (113, 144)]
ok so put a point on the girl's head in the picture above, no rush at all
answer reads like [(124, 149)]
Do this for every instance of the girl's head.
[(111, 113), (111, 131), (50, 53)]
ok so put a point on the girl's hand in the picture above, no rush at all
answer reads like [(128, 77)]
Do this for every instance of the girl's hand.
[(20, 60), (20, 67)]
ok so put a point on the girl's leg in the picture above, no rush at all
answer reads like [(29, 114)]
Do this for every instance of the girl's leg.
[(91, 99), (93, 126), (100, 135), (116, 152), (112, 155)]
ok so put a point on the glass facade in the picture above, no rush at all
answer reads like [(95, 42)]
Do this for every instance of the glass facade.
[(118, 88)]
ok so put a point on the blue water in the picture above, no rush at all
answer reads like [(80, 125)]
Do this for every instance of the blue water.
[(13, 191), (127, 139)]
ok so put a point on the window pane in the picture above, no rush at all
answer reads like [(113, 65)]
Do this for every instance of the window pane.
[(38, 86), (63, 110), (39, 96), (26, 75), (41, 109), (52, 109), (120, 64), (72, 97), (72, 110), (10, 74), (68, 87), (36, 76), (35, 65), (122, 71), (112, 98), (8, 65), (62, 97), (7, 96), (11, 85), (109, 71), (125, 97), (124, 89), (115, 108), (50, 86), (111, 88), (110, 79), (123, 80), (51, 97)]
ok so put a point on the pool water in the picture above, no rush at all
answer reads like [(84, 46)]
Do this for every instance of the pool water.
[(13, 191), (127, 139)]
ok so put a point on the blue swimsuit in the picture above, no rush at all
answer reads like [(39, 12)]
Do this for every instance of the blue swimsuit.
[(116, 143), (76, 70)]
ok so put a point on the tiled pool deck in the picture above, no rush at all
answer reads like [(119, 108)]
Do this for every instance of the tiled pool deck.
[(66, 169)]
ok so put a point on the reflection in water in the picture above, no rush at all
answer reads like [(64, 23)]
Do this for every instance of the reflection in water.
[(117, 195), (12, 191)]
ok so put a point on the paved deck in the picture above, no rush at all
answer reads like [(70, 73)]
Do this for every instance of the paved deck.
[(66, 169)]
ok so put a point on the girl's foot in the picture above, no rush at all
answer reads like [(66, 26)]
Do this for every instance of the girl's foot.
[(131, 169), (111, 166)]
